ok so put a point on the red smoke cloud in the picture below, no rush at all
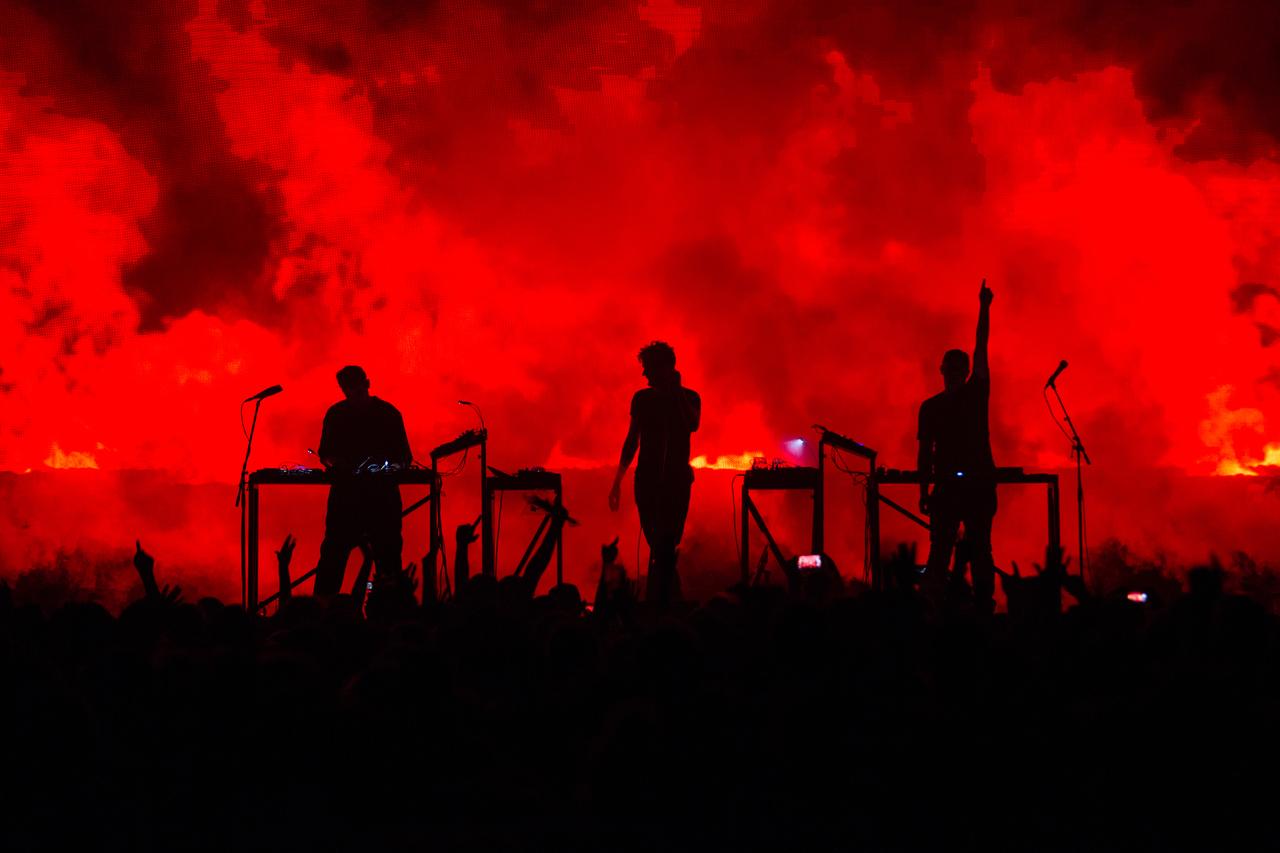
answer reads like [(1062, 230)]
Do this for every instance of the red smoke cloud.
[(501, 202)]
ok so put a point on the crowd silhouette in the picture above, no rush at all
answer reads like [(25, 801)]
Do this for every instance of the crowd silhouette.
[(764, 717)]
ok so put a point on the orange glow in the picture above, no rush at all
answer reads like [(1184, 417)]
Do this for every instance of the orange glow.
[(74, 459), (733, 462), (1249, 468), (1235, 434)]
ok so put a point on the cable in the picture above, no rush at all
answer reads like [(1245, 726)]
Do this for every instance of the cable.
[(444, 557), (860, 481), (457, 469), (497, 533), (243, 429), (1054, 415), (733, 498)]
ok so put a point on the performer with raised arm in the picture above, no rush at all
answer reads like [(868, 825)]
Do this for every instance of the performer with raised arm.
[(663, 417), (955, 456), (361, 434)]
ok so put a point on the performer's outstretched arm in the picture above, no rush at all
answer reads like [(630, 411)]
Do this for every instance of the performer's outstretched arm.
[(980, 368), (629, 447)]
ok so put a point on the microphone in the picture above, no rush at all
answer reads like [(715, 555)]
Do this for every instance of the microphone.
[(475, 409), (265, 393), (1062, 365)]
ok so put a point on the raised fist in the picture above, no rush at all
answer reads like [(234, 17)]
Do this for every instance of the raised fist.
[(609, 553), (465, 535), (285, 554)]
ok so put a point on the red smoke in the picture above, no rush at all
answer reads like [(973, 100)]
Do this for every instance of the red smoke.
[(501, 202)]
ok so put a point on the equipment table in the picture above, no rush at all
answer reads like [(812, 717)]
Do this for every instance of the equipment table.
[(303, 477)]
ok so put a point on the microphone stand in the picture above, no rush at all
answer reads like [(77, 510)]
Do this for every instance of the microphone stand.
[(244, 467), (1082, 458), (240, 499)]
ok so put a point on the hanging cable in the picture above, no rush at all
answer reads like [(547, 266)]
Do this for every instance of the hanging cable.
[(860, 481), (1057, 422), (733, 498), (457, 469), (497, 532)]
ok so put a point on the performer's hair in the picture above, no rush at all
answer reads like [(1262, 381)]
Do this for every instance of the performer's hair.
[(957, 358), (658, 354), (351, 374)]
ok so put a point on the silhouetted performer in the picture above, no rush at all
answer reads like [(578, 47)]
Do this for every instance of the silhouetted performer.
[(663, 416), (359, 432), (955, 455)]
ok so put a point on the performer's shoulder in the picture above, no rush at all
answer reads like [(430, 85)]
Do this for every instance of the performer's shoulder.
[(384, 405), (931, 403)]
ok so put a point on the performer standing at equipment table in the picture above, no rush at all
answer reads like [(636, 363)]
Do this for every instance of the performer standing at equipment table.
[(955, 455), (361, 434), (663, 416)]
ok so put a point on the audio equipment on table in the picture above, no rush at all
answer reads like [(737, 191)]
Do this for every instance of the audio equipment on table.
[(777, 477), (526, 479), (843, 442), (896, 476), (297, 474), (470, 438), (1003, 476), (532, 479), (781, 478)]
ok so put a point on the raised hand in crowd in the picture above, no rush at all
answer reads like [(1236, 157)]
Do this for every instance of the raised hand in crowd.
[(463, 537), (609, 553), (608, 559), (283, 557), (145, 564), (361, 587)]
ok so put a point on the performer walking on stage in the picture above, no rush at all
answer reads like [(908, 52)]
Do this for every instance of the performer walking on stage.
[(663, 416), (361, 431), (955, 455)]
